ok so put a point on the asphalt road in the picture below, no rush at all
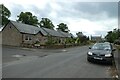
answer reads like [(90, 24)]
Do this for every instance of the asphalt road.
[(60, 63)]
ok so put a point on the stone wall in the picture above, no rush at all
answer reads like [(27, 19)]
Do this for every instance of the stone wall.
[(11, 36)]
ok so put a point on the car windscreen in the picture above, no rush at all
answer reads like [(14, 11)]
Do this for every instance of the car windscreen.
[(101, 46)]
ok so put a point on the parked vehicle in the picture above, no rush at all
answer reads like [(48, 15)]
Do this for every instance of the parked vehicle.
[(102, 52)]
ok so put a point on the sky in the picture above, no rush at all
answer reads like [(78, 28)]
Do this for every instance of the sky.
[(94, 18)]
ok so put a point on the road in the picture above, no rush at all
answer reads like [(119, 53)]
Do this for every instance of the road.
[(59, 63)]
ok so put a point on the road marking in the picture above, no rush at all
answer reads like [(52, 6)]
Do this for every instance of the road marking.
[(17, 56), (64, 50)]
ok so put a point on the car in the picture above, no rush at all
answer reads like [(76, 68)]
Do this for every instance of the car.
[(102, 52)]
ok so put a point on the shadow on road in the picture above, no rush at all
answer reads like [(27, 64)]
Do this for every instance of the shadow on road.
[(101, 63)]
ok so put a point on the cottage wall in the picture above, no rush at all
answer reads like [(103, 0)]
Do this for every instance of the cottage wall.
[(11, 36), (0, 37), (31, 39), (28, 38), (39, 37), (58, 40)]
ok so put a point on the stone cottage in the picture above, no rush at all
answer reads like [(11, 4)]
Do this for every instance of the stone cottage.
[(18, 34), (0, 34)]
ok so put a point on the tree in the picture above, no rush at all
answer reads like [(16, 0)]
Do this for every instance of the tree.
[(82, 37), (109, 36), (118, 33), (63, 27), (28, 18), (79, 34), (46, 23), (5, 14), (113, 35)]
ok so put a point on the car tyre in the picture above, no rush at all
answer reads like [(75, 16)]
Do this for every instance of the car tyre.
[(110, 62), (88, 59)]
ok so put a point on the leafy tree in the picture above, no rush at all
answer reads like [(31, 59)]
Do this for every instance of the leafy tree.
[(113, 35), (47, 23), (82, 37), (63, 27), (5, 14), (77, 41), (109, 36), (79, 34), (28, 18)]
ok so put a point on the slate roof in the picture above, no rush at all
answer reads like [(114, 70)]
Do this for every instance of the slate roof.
[(25, 28), (65, 34), (53, 32), (29, 29)]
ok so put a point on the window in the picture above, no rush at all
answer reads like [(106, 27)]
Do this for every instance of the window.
[(28, 38)]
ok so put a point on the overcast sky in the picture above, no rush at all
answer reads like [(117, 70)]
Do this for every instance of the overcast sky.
[(91, 18)]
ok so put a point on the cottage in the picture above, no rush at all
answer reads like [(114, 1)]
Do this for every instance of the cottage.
[(0, 34), (19, 34), (16, 34), (58, 37), (67, 35)]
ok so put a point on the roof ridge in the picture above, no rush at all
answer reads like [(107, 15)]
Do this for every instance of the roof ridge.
[(24, 24), (26, 28), (31, 29)]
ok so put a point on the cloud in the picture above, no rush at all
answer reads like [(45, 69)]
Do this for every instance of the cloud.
[(44, 12), (15, 10), (89, 10), (92, 18), (94, 8)]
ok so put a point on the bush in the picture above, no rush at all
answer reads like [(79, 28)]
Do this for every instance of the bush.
[(117, 42), (37, 42)]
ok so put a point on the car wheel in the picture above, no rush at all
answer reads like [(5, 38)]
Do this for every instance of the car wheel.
[(110, 62), (88, 60)]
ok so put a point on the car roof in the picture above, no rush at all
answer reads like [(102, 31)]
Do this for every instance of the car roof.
[(102, 43), (106, 42)]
